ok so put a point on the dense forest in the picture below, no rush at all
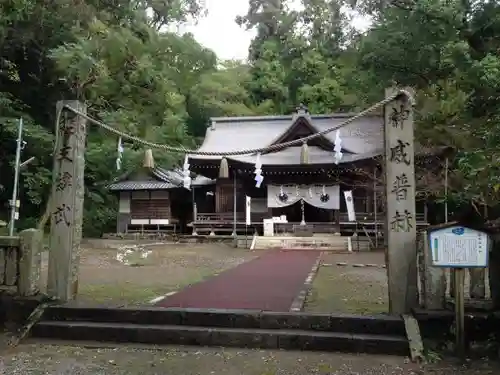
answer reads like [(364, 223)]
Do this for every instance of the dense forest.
[(163, 86)]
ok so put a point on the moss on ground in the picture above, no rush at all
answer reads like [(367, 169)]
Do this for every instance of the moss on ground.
[(349, 290)]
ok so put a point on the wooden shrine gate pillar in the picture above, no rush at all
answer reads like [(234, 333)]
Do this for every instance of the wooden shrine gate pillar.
[(66, 204), (224, 195), (401, 253)]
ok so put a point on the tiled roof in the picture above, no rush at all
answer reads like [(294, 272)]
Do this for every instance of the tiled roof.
[(166, 179), (363, 136), (141, 185)]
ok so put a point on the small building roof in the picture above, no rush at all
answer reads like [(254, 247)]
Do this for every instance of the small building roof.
[(160, 179)]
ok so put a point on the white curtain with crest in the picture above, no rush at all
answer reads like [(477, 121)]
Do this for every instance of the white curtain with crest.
[(321, 196)]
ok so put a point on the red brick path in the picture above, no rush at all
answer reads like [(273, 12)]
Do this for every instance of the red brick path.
[(270, 282)]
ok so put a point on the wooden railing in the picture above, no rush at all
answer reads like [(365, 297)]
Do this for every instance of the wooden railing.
[(20, 263), (366, 223), (361, 217), (221, 217), (370, 217)]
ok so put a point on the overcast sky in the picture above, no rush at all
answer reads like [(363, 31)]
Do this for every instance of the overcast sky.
[(219, 31)]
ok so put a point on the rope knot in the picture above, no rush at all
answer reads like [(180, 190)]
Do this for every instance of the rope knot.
[(409, 96)]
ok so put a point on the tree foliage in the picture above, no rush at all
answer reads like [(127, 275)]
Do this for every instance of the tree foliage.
[(164, 87)]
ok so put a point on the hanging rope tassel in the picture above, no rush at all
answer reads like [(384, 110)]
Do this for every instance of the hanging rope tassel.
[(148, 159), (224, 168), (304, 154)]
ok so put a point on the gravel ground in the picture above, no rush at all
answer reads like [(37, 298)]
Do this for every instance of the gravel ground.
[(172, 266), (169, 267), (356, 290), (36, 359)]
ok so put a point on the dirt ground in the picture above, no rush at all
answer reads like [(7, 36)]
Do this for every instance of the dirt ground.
[(349, 288), (37, 359), (168, 267)]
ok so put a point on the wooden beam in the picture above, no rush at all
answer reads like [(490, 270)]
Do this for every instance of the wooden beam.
[(401, 211), (67, 205)]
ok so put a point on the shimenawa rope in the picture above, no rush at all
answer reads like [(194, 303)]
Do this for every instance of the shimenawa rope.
[(247, 151), (276, 147)]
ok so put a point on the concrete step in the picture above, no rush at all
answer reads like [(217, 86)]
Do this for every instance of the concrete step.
[(332, 243), (217, 336), (240, 319)]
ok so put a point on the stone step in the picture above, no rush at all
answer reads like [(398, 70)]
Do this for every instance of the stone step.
[(332, 243), (228, 337), (241, 319)]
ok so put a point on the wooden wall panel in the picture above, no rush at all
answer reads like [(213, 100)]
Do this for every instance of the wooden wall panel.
[(158, 208), (124, 202), (224, 192)]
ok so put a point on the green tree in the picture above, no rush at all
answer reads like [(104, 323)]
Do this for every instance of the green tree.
[(133, 76)]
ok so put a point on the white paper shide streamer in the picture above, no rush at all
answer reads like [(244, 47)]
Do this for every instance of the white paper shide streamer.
[(120, 154), (258, 172), (186, 174), (349, 202), (337, 148)]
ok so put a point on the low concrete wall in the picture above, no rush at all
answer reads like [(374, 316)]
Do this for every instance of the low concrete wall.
[(439, 325), (16, 310)]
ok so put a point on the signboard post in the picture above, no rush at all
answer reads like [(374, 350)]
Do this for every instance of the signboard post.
[(458, 247)]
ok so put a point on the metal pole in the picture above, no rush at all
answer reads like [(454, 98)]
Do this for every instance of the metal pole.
[(234, 208), (375, 218), (13, 203), (195, 211), (446, 190), (194, 203)]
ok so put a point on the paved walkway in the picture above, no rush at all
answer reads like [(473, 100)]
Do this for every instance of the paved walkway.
[(270, 282)]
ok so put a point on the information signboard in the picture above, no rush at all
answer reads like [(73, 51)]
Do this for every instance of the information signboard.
[(459, 247)]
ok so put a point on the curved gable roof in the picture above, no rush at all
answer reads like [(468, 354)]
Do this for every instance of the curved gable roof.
[(226, 134), (303, 122)]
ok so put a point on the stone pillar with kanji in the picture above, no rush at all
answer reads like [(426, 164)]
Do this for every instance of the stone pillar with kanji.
[(66, 210), (400, 208)]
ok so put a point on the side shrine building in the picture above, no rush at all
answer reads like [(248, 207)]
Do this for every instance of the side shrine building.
[(303, 187)]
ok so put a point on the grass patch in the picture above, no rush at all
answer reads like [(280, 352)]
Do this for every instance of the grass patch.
[(130, 294), (124, 293), (349, 290)]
